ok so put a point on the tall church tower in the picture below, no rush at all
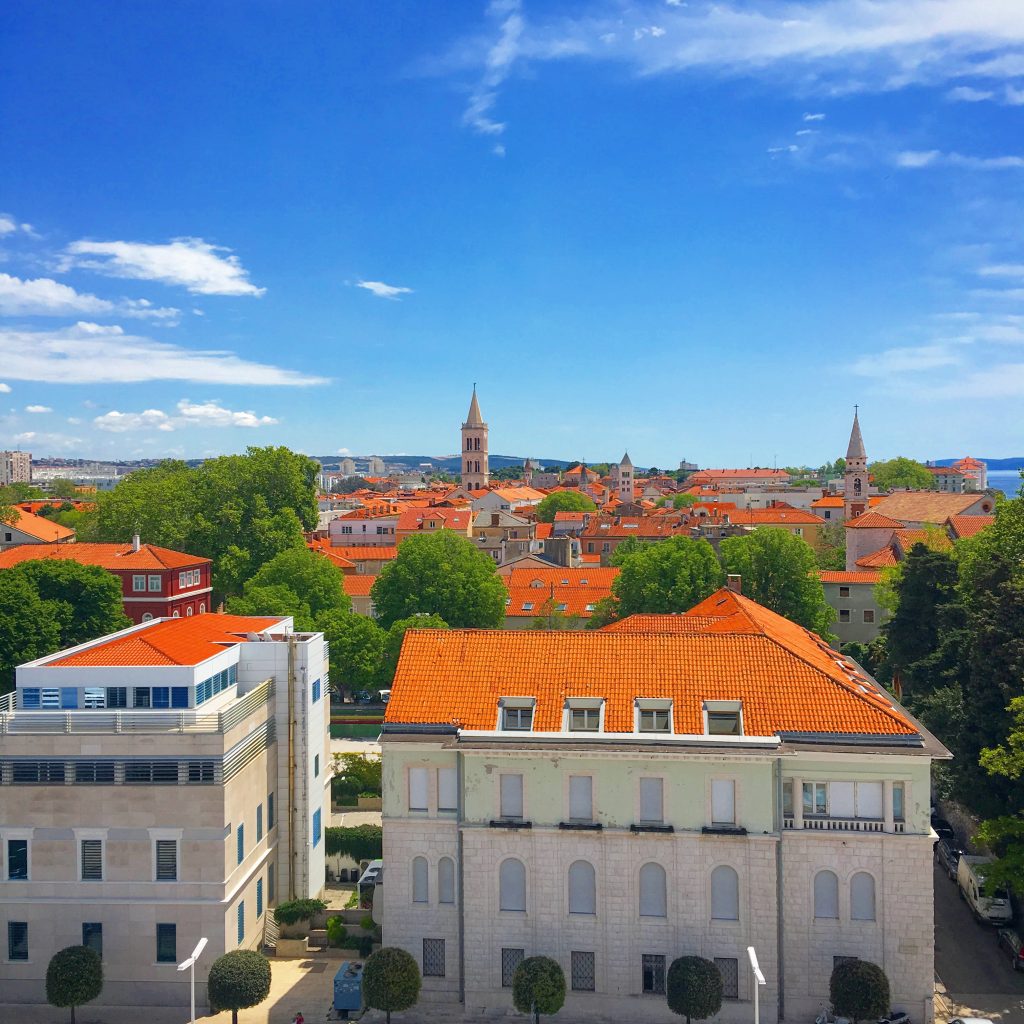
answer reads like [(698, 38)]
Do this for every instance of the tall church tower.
[(625, 480), (855, 486), (475, 472)]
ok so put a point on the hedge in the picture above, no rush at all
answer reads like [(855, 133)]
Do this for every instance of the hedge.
[(360, 842), (298, 910)]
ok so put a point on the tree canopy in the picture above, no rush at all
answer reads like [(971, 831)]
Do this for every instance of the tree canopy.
[(694, 988), (538, 986), (563, 501), (442, 574), (859, 990), (780, 572), (681, 500), (670, 576), (356, 650), (238, 980), (74, 976), (901, 472), (391, 980), (46, 605)]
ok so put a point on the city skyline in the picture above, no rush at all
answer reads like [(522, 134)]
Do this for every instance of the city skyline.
[(218, 231)]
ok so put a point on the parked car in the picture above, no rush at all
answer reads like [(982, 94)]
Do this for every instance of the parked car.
[(970, 1020), (943, 829), (948, 854), (970, 879), (1012, 943)]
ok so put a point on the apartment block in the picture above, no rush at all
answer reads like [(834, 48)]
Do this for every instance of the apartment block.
[(154, 794), (15, 468)]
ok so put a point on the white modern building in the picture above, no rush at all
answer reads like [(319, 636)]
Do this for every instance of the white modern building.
[(15, 468), (161, 784), (681, 784)]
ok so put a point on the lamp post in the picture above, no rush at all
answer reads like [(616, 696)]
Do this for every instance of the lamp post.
[(190, 965), (758, 982)]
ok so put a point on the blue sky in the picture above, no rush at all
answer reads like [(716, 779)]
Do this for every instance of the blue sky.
[(689, 229)]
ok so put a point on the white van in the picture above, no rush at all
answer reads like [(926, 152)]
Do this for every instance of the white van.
[(970, 879)]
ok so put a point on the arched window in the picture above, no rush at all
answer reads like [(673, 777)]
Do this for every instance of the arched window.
[(862, 897), (582, 888), (147, 617), (446, 880), (202, 607), (175, 615), (826, 895), (725, 894), (188, 612), (653, 891), (420, 882), (512, 885)]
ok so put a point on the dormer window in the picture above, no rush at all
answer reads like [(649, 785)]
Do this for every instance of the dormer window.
[(723, 718), (517, 714), (653, 715), (583, 714)]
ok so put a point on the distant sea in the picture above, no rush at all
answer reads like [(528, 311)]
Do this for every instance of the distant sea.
[(1006, 480)]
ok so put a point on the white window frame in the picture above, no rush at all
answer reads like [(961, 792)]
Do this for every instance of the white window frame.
[(93, 834), (419, 772), (174, 834), (722, 707), (586, 704), (655, 704), (518, 705), (158, 580), (139, 583)]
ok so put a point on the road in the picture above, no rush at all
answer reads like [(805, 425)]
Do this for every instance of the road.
[(975, 973)]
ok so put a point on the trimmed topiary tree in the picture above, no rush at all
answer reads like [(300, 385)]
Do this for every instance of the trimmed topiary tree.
[(238, 980), (74, 977), (694, 988), (859, 990), (391, 980), (538, 986)]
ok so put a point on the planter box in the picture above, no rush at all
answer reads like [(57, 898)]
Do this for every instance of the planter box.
[(370, 803), (292, 947)]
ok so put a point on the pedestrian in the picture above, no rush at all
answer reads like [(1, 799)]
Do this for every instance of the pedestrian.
[(299, 1019)]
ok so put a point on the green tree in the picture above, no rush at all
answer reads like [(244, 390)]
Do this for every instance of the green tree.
[(238, 980), (694, 988), (551, 618), (442, 574), (901, 472), (630, 546), (605, 612), (356, 650), (46, 605), (396, 634), (831, 553), (563, 501), (354, 774), (859, 990), (538, 986), (780, 572), (297, 582), (669, 576), (74, 976), (63, 488), (391, 980)]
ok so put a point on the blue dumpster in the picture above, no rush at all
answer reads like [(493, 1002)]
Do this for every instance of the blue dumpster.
[(348, 986)]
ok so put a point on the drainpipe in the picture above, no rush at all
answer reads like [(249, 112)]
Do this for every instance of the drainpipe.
[(779, 891), (291, 767), (460, 813)]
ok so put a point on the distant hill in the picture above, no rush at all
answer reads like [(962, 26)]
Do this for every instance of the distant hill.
[(451, 463), (994, 465)]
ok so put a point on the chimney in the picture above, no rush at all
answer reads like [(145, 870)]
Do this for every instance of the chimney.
[(136, 543), (735, 583)]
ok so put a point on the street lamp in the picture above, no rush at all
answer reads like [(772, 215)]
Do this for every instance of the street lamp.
[(758, 980), (190, 965)]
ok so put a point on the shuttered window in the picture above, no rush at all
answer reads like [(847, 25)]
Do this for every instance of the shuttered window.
[(582, 888), (240, 843), (418, 789), (447, 790), (653, 891), (862, 897), (512, 885), (725, 894), (826, 895), (241, 922), (259, 898), (723, 802), (259, 822), (92, 860), (652, 806), (581, 803), (420, 880), (446, 880), (511, 796), (166, 860)]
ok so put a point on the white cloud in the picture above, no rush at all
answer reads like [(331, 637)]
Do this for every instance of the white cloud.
[(5, 389), (814, 117), (917, 158), (908, 359), (498, 150), (7, 225), (90, 353), (189, 262), (74, 420), (914, 159), (189, 414), (1014, 97), (497, 62), (37, 408), (382, 290), (968, 94), (783, 149), (1003, 270), (344, 451), (806, 131), (47, 442), (42, 296)]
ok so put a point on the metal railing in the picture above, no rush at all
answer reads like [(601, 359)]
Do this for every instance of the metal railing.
[(16, 721)]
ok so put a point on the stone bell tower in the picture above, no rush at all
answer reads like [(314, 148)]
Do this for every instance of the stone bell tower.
[(475, 472), (855, 485)]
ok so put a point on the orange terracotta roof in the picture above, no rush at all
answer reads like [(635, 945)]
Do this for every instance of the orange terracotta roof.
[(933, 539), (968, 463), (929, 506), (366, 553), (528, 602), (883, 558), (39, 526), (830, 501), (679, 622), (562, 579), (832, 576), (188, 641), (873, 521), (413, 519), (788, 516), (787, 678), (543, 530), (968, 526), (358, 584), (106, 556)]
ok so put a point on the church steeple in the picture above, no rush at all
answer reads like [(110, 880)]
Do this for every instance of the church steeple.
[(855, 450), (855, 479), (475, 471)]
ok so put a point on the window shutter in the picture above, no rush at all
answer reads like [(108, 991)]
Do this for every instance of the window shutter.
[(582, 888), (92, 860), (862, 897), (826, 895), (446, 880), (166, 860), (447, 790), (651, 800), (581, 802), (869, 800), (511, 796), (723, 801), (840, 799), (725, 894), (653, 895), (512, 885), (419, 880), (417, 789)]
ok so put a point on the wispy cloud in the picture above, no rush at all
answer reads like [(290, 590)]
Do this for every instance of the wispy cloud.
[(914, 159), (1002, 270), (382, 290), (48, 442), (814, 117), (189, 414), (9, 225), (90, 353), (5, 389), (498, 60), (909, 359), (37, 408), (42, 296), (189, 262), (968, 94)]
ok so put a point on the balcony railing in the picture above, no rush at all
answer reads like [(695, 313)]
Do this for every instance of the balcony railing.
[(819, 823), (18, 722)]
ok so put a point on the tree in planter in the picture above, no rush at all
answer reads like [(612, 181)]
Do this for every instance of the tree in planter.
[(694, 988), (859, 990), (538, 986), (391, 980), (73, 977), (238, 980)]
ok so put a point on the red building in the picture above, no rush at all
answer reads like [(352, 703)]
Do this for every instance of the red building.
[(156, 582)]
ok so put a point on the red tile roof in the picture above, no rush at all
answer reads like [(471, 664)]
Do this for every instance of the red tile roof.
[(829, 501), (968, 526), (774, 516), (832, 576), (39, 526), (873, 521), (358, 584), (883, 558), (107, 556), (366, 553), (787, 678), (188, 641)]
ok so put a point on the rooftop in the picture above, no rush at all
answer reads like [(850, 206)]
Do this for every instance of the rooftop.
[(40, 527), (106, 556)]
